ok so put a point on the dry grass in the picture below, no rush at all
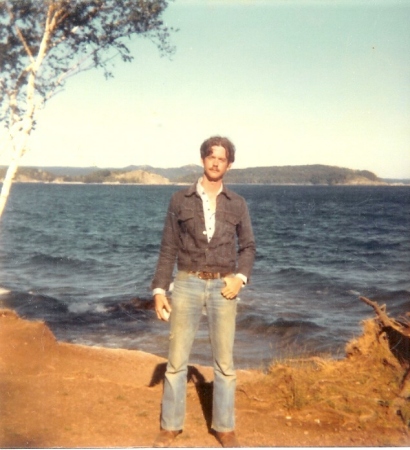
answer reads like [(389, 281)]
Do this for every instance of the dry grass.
[(360, 392)]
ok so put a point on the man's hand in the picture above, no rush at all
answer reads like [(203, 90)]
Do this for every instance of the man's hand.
[(162, 307), (232, 287)]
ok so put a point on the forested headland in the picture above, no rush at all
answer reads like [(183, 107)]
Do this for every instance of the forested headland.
[(315, 174)]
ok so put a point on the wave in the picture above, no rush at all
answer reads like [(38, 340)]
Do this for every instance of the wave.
[(43, 259), (281, 326), (360, 242), (34, 306), (297, 276)]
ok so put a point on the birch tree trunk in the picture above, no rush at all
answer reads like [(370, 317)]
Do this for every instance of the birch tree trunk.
[(19, 145), (22, 128)]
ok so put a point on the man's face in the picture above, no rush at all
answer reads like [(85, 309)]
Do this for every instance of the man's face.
[(216, 163)]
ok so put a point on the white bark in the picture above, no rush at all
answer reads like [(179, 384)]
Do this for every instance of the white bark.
[(10, 174), (21, 130)]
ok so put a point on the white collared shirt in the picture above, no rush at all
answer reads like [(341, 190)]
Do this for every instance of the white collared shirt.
[(209, 214)]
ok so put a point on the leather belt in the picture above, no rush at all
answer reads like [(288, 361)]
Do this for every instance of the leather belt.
[(208, 275)]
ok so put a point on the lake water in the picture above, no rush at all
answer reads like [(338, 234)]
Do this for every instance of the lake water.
[(81, 257)]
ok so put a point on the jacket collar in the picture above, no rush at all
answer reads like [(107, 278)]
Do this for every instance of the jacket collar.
[(192, 191)]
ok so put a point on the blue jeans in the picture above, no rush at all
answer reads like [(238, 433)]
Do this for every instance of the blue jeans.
[(189, 297)]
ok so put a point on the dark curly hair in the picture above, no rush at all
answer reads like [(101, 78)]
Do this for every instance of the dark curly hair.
[(219, 141)]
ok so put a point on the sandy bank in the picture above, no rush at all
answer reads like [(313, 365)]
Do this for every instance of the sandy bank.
[(62, 395)]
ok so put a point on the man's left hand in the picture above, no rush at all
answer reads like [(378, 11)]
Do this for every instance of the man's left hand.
[(232, 287)]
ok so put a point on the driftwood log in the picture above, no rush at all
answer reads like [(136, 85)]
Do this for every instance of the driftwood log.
[(398, 336), (397, 331)]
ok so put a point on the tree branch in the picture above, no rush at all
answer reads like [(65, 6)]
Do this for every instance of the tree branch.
[(385, 319), (19, 33), (70, 72)]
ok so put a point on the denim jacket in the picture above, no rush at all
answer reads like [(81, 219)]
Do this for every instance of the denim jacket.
[(184, 240)]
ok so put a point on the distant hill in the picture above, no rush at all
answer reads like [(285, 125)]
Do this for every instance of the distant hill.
[(308, 174), (85, 175), (300, 175), (173, 174), (124, 176), (68, 171)]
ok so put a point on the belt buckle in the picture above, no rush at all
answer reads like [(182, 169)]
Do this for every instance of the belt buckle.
[(206, 275)]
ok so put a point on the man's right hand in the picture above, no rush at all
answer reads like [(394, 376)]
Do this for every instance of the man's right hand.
[(162, 307)]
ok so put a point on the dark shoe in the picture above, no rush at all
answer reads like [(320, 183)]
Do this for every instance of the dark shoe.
[(227, 439), (165, 438)]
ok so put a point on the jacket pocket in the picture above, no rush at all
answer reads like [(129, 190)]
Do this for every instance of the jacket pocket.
[(186, 225), (230, 222), (185, 214)]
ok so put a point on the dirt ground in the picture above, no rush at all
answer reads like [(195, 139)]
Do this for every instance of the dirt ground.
[(62, 395)]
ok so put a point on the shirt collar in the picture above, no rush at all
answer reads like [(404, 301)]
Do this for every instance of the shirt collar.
[(193, 189), (200, 189)]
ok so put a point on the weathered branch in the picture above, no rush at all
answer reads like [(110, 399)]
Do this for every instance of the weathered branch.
[(398, 337), (385, 319)]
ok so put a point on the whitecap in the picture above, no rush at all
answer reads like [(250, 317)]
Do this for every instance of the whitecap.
[(353, 292)]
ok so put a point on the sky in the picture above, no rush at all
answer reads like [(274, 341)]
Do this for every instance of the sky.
[(290, 82)]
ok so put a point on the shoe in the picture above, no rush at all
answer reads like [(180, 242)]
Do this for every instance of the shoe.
[(165, 438), (227, 439)]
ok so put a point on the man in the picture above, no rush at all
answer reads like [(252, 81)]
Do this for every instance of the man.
[(208, 233)]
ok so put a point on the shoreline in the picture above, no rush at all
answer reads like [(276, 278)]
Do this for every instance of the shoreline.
[(81, 183), (67, 395)]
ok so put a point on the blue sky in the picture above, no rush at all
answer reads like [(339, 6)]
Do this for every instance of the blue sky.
[(290, 82)]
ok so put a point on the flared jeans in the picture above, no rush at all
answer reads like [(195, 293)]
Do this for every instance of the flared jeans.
[(192, 295)]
